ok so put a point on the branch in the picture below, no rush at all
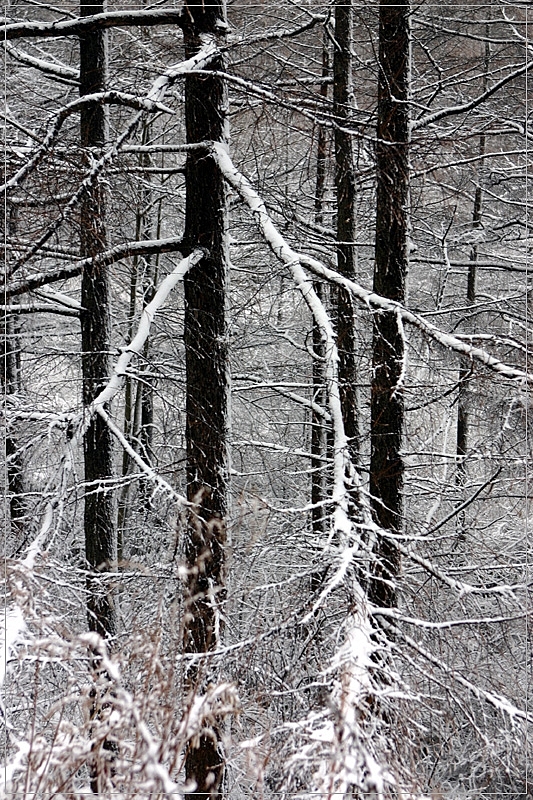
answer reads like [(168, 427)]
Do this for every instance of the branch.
[(106, 98), (82, 25), (137, 343), (429, 119), (79, 422), (345, 477), (64, 73), (447, 340), (35, 308), (147, 247)]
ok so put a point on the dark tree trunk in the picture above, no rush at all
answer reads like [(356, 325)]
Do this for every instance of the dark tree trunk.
[(318, 428), (207, 379), (99, 512), (346, 217), (10, 376), (10, 372), (390, 273), (99, 519)]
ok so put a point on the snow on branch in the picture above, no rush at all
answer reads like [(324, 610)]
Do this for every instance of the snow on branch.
[(145, 247), (137, 343), (200, 61), (61, 71), (344, 474), (449, 111), (76, 27), (377, 303), (38, 308), (497, 701), (106, 98), (79, 422)]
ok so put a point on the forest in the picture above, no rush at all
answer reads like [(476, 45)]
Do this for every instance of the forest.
[(264, 340)]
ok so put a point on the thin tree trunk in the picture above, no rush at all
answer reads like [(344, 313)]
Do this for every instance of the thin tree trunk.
[(318, 428), (465, 367), (207, 386), (390, 274), (10, 368), (14, 460), (346, 218), (142, 435)]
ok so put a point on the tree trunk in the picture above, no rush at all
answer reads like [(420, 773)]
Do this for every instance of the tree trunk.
[(99, 512), (346, 214), (465, 368), (318, 428), (207, 389), (390, 273), (138, 435), (99, 519), (10, 376)]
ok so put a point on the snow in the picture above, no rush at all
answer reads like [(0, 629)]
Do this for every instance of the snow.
[(15, 765), (11, 626), (376, 302), (201, 60), (291, 259), (136, 345)]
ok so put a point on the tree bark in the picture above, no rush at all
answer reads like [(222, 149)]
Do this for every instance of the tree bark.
[(318, 428), (10, 377), (99, 518), (99, 512), (207, 388), (346, 218), (390, 274)]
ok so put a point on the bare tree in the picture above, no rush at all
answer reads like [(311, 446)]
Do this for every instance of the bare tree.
[(390, 273), (100, 530), (207, 381), (345, 186)]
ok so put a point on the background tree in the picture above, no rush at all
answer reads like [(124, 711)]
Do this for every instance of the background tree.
[(99, 513), (390, 276), (207, 379), (298, 652)]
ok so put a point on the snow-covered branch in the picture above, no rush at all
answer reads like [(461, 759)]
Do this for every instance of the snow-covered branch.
[(462, 108), (60, 71), (106, 98), (377, 303), (38, 308), (141, 248), (76, 27), (137, 343), (343, 471)]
